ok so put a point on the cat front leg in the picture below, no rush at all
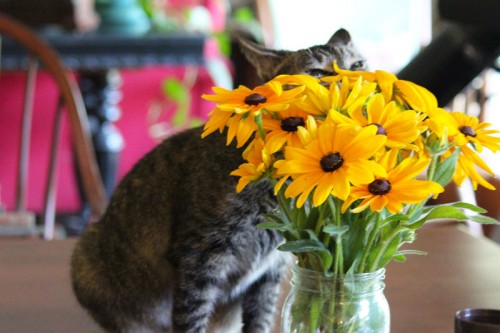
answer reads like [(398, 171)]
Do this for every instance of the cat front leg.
[(260, 302), (193, 304)]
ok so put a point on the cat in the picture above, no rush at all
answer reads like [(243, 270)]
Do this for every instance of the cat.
[(177, 249)]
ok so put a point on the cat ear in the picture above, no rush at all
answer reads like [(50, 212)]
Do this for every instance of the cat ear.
[(340, 37), (266, 61)]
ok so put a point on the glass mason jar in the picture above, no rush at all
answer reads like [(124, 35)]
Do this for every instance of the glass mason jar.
[(350, 304)]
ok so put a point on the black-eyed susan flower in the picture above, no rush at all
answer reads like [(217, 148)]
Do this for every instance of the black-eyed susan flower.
[(401, 127), (329, 164), (259, 160), (467, 167), (384, 80), (241, 100), (391, 192), (470, 131), (351, 76), (283, 129), (243, 104), (416, 97), (316, 101)]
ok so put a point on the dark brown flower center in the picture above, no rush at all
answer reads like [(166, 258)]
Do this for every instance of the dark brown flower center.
[(468, 131), (380, 129), (255, 99), (331, 162), (379, 187), (291, 124)]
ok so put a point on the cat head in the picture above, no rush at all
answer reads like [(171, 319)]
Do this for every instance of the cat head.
[(315, 61)]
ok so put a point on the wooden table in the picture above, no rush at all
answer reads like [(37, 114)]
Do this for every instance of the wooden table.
[(460, 271)]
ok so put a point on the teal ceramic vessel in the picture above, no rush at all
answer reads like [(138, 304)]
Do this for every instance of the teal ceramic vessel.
[(122, 17)]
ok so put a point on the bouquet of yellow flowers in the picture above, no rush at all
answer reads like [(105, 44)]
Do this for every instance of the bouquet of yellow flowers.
[(353, 158)]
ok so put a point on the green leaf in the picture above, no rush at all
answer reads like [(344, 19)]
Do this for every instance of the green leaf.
[(483, 219), (440, 212), (312, 219), (273, 226), (446, 168), (399, 257), (273, 218), (406, 252), (335, 230), (312, 247), (354, 244), (325, 257), (465, 205), (299, 218), (396, 217), (389, 251), (302, 245)]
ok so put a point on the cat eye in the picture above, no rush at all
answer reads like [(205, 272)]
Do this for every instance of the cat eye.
[(316, 72), (357, 65)]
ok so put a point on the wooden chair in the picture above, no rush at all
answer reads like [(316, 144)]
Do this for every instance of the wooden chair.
[(41, 56)]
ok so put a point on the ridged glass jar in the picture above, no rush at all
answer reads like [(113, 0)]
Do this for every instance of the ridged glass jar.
[(349, 304)]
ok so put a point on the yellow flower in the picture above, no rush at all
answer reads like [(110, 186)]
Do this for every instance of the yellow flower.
[(415, 96), (329, 164), (240, 127), (397, 188), (283, 129), (258, 162), (269, 96), (405, 92), (400, 127), (243, 104), (321, 99), (466, 168), (439, 121), (217, 121), (317, 101), (383, 79), (342, 98), (470, 130), (352, 76)]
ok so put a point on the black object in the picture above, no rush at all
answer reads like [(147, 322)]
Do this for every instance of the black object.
[(461, 51), (477, 321), (95, 52)]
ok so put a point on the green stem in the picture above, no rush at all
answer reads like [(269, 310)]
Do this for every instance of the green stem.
[(369, 244), (432, 167), (335, 205), (383, 249), (284, 205), (329, 207), (258, 121)]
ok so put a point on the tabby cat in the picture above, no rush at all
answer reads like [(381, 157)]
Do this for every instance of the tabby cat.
[(177, 249)]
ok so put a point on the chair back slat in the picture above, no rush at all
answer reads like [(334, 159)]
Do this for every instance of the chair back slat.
[(49, 207), (26, 125)]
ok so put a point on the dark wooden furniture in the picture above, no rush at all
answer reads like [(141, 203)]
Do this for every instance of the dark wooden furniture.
[(41, 55), (97, 59), (424, 293)]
